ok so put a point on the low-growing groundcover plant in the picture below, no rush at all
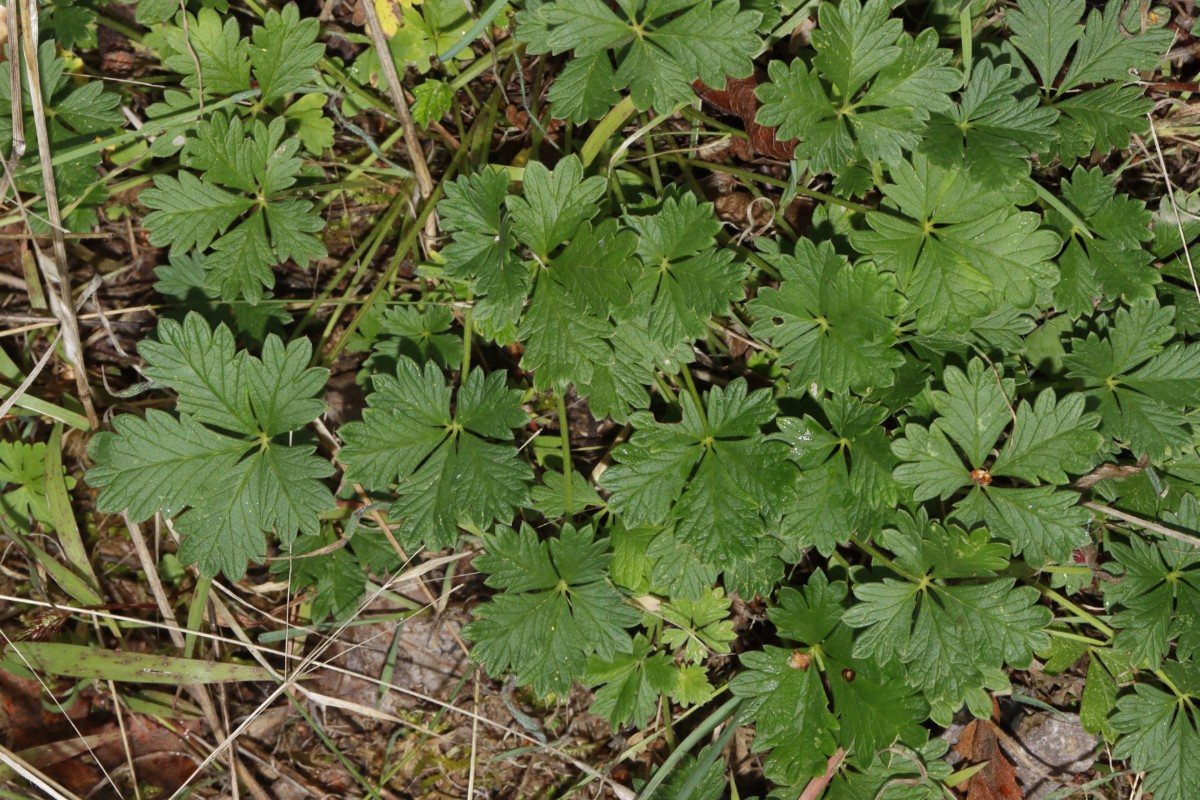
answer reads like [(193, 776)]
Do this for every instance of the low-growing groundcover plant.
[(933, 432)]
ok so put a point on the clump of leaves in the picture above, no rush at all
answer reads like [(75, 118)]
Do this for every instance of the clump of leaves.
[(75, 115), (232, 463), (944, 365), (449, 467), (658, 50), (238, 205)]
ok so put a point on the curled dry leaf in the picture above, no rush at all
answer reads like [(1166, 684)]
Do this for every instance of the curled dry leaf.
[(997, 780), (738, 99)]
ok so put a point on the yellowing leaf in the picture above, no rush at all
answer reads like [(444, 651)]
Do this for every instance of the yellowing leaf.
[(389, 12)]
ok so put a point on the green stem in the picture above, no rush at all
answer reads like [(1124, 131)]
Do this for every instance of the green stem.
[(1060, 600), (800, 190), (655, 177), (565, 437), (481, 65), (694, 738), (665, 389), (1162, 676), (482, 123), (611, 123), (196, 615), (360, 258), (1076, 637), (877, 555), (477, 30), (668, 727), (466, 359), (691, 387)]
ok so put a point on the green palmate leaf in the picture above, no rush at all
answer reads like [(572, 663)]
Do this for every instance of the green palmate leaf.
[(23, 468), (553, 205), (209, 51), (548, 496), (187, 212), (631, 684), (791, 713), (686, 280), (285, 52), (293, 225), (482, 249), (1048, 440), (77, 113), (959, 249), (973, 408), (1102, 119), (433, 100), (897, 773), (192, 212), (233, 487), (585, 88), (313, 128), (830, 321), (1107, 53), (564, 341), (220, 152), (204, 367), (1045, 31), (932, 467), (1142, 388), (922, 547), (1158, 595), (447, 468), (337, 576), (677, 568), (426, 330), (825, 513), (149, 12), (617, 386), (854, 42), (1113, 263), (1159, 734), (827, 108), (596, 317), (847, 474), (158, 463), (716, 476), (701, 626), (1041, 523), (557, 608), (240, 264), (953, 638), (758, 572), (993, 128), (800, 720), (658, 49)]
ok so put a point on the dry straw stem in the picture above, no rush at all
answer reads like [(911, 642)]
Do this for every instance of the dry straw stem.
[(48, 787), (313, 661), (1153, 527), (199, 692), (1162, 165), (54, 270), (14, 91), (7, 645), (379, 40)]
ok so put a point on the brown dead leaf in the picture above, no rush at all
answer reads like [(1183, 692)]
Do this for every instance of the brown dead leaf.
[(738, 99), (997, 780)]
